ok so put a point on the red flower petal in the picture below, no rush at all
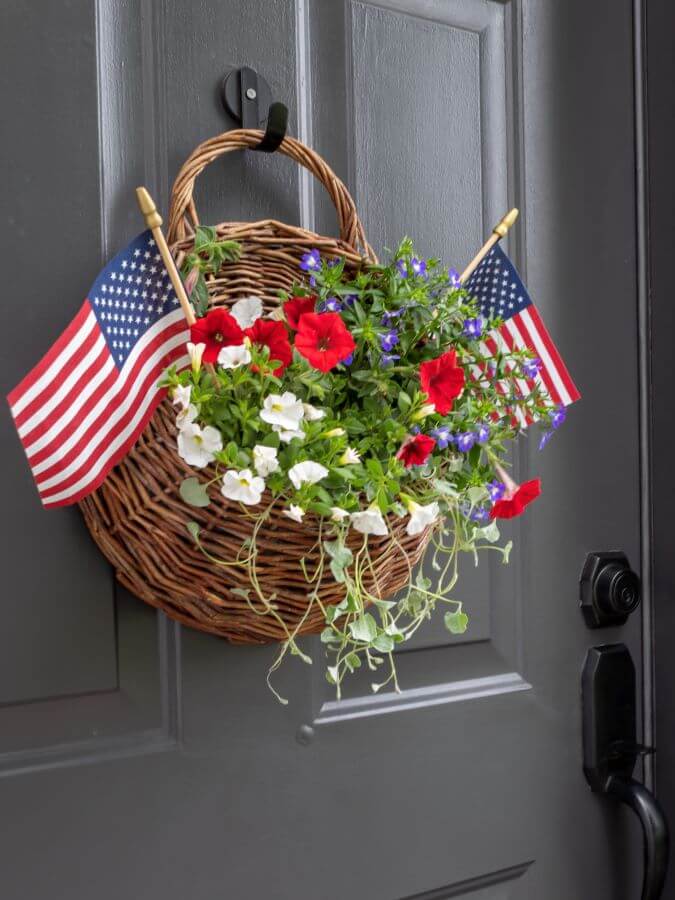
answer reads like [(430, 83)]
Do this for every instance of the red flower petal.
[(267, 333), (416, 450), (512, 506), (442, 380), (217, 329), (323, 340), (296, 307)]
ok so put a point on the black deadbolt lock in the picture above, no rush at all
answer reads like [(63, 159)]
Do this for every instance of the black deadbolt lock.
[(610, 589)]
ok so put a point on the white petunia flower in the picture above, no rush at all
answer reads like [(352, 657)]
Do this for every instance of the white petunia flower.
[(247, 310), (421, 516), (198, 446), (338, 514), (195, 352), (265, 460), (180, 396), (307, 472), (312, 414), (186, 416), (233, 357), (284, 410), (294, 512), (370, 521), (244, 486), (350, 457), (287, 435)]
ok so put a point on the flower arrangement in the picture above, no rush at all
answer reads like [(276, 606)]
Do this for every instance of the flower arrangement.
[(359, 403)]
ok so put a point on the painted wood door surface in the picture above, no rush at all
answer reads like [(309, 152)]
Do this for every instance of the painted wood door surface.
[(142, 760)]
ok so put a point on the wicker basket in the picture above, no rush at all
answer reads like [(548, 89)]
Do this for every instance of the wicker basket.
[(137, 516)]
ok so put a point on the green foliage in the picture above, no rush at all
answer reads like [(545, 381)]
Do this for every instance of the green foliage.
[(208, 256)]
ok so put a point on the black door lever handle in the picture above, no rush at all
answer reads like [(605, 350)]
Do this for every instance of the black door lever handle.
[(654, 829), (611, 751)]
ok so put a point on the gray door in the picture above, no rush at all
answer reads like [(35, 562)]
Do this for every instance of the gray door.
[(142, 760)]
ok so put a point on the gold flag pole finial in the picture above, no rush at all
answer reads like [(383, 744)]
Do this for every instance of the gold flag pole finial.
[(154, 222), (500, 230)]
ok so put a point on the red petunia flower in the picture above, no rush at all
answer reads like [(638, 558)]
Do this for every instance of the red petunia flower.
[(516, 498), (443, 380), (217, 329), (266, 333), (296, 307), (323, 340), (416, 450)]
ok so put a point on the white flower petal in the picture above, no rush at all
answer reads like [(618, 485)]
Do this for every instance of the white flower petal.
[(244, 486), (187, 415), (338, 514), (247, 310), (307, 472), (312, 414), (369, 521), (197, 446), (195, 352), (294, 512), (284, 410), (234, 356), (265, 460), (350, 457), (180, 396), (421, 516)]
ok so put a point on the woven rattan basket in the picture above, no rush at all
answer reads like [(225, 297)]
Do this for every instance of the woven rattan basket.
[(137, 516)]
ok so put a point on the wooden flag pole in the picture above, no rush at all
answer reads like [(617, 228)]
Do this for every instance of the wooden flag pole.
[(154, 222), (498, 232)]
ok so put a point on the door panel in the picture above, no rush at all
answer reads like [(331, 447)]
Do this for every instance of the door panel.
[(152, 761)]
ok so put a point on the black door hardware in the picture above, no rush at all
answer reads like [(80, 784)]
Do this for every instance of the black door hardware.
[(611, 751), (247, 98), (609, 588)]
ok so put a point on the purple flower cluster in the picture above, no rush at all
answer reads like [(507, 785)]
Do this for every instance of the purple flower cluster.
[(417, 267), (453, 275), (389, 340), (311, 262), (473, 328), (464, 441), (531, 367), (332, 304), (557, 419)]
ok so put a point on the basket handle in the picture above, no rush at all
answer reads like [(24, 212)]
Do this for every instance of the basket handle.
[(183, 214)]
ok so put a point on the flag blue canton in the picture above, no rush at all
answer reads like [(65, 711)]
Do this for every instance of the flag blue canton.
[(497, 287), (131, 295)]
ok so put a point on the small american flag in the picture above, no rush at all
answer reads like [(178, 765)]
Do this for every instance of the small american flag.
[(83, 406), (497, 287)]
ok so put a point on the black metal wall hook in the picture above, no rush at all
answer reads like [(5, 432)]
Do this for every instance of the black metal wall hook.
[(247, 98)]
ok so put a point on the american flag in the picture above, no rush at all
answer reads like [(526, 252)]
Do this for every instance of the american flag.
[(497, 287), (83, 406)]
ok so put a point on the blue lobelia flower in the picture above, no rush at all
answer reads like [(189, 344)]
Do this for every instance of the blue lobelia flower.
[(531, 367), (312, 281), (348, 360), (333, 262), (332, 304), (483, 433), (480, 514), (496, 490), (443, 436), (415, 429), (389, 340), (557, 419), (311, 261), (453, 275), (350, 299), (402, 267), (418, 266), (465, 441), (473, 328), (388, 316), (388, 358)]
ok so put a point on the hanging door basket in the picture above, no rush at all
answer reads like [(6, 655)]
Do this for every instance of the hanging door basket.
[(137, 516)]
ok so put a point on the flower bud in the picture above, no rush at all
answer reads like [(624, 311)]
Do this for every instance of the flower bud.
[(196, 351), (334, 432), (423, 412)]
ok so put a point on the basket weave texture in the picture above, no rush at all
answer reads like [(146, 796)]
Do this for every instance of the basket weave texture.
[(137, 516)]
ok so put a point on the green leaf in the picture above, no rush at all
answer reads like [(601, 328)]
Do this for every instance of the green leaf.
[(194, 530), (476, 494), (332, 674), (364, 628), (384, 643), (353, 661), (194, 493), (341, 558), (456, 622), (490, 532)]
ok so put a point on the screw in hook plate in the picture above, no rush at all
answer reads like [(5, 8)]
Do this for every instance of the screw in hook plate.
[(251, 93)]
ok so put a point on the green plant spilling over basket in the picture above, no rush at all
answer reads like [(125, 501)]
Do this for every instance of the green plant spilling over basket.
[(337, 416)]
